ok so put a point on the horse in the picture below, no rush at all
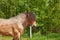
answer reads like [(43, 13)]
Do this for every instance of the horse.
[(16, 25)]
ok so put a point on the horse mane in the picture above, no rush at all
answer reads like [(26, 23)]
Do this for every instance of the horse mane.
[(21, 17), (14, 19), (17, 16)]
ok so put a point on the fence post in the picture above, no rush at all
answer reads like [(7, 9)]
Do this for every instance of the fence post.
[(30, 32)]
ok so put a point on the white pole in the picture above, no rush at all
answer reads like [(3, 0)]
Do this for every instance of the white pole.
[(30, 32)]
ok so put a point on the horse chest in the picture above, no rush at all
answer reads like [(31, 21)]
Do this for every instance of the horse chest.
[(20, 26)]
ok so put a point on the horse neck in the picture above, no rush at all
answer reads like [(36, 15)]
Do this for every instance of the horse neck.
[(22, 19), (25, 24)]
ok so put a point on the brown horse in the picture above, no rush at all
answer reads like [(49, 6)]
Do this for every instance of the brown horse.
[(15, 26)]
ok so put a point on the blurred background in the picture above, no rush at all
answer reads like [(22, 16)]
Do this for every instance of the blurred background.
[(47, 15)]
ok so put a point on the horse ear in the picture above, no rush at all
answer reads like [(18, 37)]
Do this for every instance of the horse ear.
[(27, 15)]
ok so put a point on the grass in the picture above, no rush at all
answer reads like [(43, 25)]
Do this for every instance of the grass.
[(36, 36)]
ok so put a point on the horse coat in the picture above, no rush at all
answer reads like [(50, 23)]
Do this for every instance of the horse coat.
[(15, 26)]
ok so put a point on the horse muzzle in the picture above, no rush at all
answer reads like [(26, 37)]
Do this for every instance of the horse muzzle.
[(34, 24)]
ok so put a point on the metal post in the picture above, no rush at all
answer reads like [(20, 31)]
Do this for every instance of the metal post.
[(30, 32)]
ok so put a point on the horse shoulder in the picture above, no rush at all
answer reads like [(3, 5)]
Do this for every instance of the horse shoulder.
[(20, 28)]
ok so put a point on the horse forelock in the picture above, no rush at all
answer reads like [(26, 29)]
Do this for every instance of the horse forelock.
[(32, 16)]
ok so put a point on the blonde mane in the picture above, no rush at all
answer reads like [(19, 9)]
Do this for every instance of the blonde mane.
[(19, 18)]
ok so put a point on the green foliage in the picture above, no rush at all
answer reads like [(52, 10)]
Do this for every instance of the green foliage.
[(47, 12)]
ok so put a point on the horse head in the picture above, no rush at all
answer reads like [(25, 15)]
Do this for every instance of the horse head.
[(31, 18)]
